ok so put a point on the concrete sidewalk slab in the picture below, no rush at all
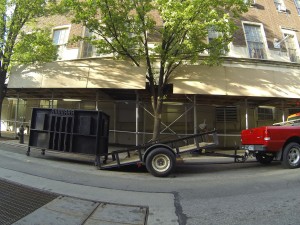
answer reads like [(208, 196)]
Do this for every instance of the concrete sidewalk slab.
[(68, 210)]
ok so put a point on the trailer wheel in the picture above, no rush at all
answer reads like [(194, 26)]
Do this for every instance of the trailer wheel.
[(291, 156), (264, 158), (160, 162)]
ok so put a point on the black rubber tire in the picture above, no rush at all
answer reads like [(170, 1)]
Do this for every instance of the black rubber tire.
[(160, 162), (291, 156), (263, 158)]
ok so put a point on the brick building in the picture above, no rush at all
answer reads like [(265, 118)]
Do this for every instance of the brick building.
[(257, 84)]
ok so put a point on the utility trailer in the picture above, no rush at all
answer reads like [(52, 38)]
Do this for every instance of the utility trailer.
[(85, 132), (160, 157)]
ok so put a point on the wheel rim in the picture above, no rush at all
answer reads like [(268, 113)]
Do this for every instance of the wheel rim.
[(294, 156), (161, 163)]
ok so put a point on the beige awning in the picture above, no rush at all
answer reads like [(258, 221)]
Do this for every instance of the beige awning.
[(238, 80), (86, 73)]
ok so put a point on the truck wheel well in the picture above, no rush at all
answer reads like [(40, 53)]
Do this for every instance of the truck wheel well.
[(290, 140)]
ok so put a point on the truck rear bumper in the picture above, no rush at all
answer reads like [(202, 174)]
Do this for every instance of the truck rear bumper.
[(260, 148)]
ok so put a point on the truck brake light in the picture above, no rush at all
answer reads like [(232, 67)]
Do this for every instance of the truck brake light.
[(267, 135)]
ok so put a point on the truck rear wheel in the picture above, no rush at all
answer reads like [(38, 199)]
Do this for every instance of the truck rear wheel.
[(160, 162), (263, 158), (291, 156)]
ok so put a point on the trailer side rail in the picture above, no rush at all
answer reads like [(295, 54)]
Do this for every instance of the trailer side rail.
[(135, 154)]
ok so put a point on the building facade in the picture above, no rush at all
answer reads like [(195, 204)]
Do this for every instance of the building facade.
[(257, 84)]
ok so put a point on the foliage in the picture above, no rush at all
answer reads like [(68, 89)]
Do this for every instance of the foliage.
[(34, 47), (18, 46), (161, 34)]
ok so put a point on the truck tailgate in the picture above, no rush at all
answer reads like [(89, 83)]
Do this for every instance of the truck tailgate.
[(253, 136)]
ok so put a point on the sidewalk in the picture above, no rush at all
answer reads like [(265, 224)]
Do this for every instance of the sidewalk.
[(77, 204)]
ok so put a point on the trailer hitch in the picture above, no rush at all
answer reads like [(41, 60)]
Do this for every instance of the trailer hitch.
[(241, 158)]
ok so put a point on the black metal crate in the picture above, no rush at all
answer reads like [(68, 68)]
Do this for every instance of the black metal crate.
[(64, 130)]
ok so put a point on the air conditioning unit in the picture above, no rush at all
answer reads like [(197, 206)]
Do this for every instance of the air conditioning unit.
[(281, 8), (277, 43)]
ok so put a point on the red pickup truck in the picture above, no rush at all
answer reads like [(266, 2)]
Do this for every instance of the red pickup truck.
[(280, 141)]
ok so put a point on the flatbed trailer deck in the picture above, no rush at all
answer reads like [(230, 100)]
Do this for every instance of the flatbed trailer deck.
[(160, 157)]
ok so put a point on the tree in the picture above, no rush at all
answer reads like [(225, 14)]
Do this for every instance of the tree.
[(18, 46), (178, 34)]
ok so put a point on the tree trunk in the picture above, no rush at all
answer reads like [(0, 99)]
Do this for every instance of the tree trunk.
[(156, 126), (157, 108)]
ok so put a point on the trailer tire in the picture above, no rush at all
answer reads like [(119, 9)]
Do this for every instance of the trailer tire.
[(264, 158), (291, 156), (160, 162)]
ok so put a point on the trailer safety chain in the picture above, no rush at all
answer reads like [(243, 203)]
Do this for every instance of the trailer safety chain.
[(241, 159)]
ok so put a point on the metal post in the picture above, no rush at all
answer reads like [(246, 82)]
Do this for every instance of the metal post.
[(195, 115), (16, 114), (137, 120), (115, 122), (97, 98), (283, 111), (246, 114), (186, 120), (52, 96)]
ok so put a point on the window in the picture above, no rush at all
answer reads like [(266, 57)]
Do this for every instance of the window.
[(291, 43), (226, 114), (60, 38), (265, 113), (297, 4), (280, 6), (254, 39), (214, 34), (88, 50)]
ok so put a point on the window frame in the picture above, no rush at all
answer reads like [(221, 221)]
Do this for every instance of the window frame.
[(66, 38), (263, 37), (295, 43), (265, 116), (61, 46)]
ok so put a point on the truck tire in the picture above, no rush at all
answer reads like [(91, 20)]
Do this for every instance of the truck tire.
[(263, 158), (160, 162), (291, 156)]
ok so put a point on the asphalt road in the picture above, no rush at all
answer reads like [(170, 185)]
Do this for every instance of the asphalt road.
[(210, 192)]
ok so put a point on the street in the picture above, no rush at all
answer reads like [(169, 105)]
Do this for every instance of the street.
[(213, 192)]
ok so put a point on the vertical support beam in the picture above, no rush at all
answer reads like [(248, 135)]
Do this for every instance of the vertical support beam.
[(137, 120), (283, 111), (144, 124), (115, 122), (52, 97), (246, 114), (195, 115), (186, 120), (97, 99), (16, 114)]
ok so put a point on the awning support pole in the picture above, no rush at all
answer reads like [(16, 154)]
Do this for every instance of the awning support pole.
[(137, 120), (246, 114)]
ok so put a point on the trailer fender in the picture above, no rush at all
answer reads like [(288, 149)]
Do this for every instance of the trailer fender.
[(156, 146)]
